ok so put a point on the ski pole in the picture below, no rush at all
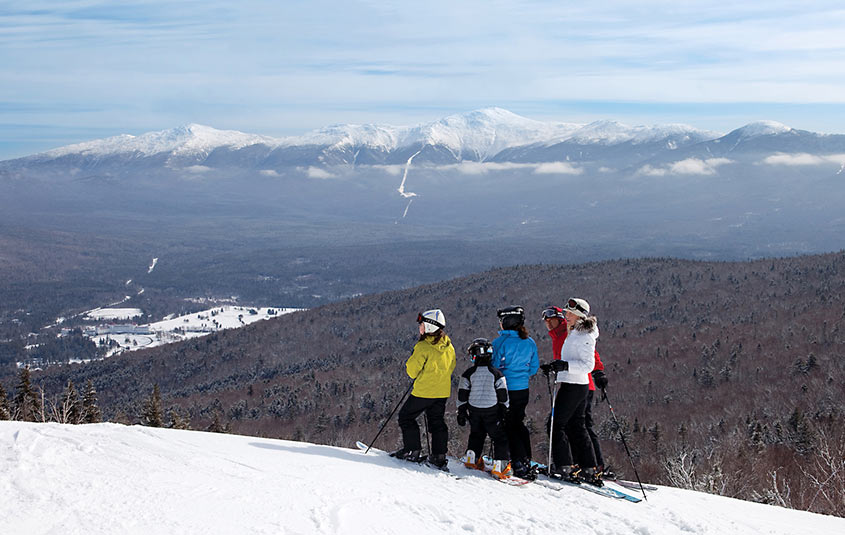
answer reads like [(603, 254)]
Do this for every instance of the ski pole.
[(624, 443), (373, 441), (551, 428), (427, 435)]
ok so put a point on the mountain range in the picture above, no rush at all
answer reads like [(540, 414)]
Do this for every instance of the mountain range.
[(483, 175), (487, 135)]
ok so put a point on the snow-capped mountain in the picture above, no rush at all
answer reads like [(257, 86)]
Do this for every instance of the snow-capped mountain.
[(109, 478), (463, 174), (476, 136)]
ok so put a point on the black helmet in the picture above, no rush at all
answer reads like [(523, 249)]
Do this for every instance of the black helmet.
[(512, 318), (480, 351)]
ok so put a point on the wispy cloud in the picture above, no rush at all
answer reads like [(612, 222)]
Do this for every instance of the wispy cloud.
[(316, 172), (282, 68), (557, 168), (689, 166), (481, 168), (797, 159)]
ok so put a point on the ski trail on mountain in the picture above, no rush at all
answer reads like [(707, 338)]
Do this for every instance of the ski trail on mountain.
[(406, 208), (408, 195)]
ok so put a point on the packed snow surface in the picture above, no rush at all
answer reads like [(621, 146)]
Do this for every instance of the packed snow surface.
[(108, 478)]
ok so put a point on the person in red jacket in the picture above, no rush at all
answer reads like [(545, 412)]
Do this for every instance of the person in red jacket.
[(556, 324)]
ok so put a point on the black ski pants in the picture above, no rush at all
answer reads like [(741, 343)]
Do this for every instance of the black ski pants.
[(594, 438), (569, 431), (519, 438), (483, 422), (434, 409)]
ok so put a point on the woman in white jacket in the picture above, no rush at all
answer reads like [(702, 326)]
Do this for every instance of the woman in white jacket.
[(569, 431)]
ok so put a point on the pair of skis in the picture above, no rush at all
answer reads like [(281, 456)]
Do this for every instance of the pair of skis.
[(512, 481), (544, 481)]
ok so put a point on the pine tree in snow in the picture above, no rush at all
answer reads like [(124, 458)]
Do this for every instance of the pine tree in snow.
[(152, 415), (177, 421), (5, 413), (27, 406), (91, 413)]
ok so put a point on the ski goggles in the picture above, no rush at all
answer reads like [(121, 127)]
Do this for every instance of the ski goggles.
[(423, 319), (572, 304), (552, 312)]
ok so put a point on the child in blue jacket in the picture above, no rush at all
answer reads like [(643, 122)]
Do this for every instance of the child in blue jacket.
[(515, 355)]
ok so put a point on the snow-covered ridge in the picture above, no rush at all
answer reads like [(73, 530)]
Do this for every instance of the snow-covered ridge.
[(185, 140), (476, 135), (761, 128), (613, 132), (109, 478)]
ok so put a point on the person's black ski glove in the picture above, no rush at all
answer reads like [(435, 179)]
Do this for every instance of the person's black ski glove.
[(503, 414), (546, 369), (560, 365), (600, 379), (462, 415)]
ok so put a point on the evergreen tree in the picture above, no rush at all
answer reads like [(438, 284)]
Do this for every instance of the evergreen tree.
[(152, 415), (27, 406), (5, 413), (177, 421), (91, 413), (70, 410), (217, 425)]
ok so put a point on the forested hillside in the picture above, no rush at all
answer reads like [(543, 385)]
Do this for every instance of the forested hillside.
[(727, 377)]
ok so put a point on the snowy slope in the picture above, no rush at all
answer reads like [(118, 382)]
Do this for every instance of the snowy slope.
[(107, 478)]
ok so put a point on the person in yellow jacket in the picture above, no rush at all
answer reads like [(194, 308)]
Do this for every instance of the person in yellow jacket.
[(430, 366)]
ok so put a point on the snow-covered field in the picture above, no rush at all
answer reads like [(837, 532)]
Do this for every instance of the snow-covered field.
[(177, 328), (108, 478), (113, 313)]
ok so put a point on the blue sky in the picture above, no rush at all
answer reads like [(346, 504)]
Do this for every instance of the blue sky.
[(71, 71)]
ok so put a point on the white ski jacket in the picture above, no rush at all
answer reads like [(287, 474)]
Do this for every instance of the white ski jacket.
[(579, 350)]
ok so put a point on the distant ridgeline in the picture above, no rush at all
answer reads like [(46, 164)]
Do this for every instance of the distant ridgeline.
[(727, 377)]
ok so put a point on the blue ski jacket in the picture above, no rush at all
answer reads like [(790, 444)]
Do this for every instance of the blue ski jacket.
[(516, 358)]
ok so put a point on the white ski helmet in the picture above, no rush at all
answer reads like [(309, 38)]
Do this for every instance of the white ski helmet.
[(432, 320), (577, 306)]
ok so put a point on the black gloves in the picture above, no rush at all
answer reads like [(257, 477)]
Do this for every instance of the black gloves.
[(463, 411), (554, 366), (503, 413), (600, 379)]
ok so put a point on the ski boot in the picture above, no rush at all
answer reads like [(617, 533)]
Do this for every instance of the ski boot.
[(522, 468), (569, 474), (438, 461), (592, 476), (471, 462), (501, 469), (414, 456), (606, 472)]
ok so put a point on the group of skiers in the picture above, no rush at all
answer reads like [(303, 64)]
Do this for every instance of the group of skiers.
[(493, 394)]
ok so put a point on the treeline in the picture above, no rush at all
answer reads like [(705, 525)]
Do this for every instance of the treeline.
[(726, 377), (32, 404)]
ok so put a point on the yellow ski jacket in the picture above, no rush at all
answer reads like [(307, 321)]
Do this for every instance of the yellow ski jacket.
[(431, 366)]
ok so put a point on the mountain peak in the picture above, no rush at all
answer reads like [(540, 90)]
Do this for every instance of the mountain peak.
[(762, 128), (185, 139)]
